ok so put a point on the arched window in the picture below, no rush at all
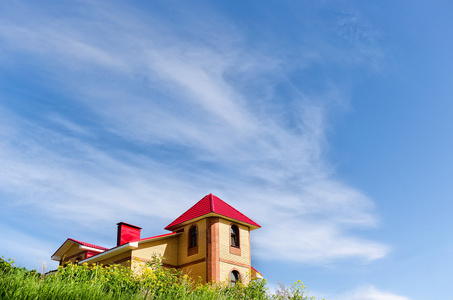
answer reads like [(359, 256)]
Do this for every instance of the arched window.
[(235, 277), (192, 236), (234, 236)]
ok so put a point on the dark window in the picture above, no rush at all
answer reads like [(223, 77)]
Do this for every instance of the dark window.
[(234, 277), (192, 236), (234, 236)]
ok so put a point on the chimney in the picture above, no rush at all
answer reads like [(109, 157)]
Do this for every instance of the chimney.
[(127, 233)]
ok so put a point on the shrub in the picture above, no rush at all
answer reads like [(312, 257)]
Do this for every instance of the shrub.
[(150, 281)]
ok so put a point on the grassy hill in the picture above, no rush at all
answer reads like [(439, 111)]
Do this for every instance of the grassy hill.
[(117, 282)]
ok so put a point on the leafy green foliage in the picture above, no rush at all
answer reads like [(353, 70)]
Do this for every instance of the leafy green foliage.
[(149, 281)]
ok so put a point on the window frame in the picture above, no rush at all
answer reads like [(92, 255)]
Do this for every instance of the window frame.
[(191, 239), (192, 249), (236, 232), (235, 249), (236, 275)]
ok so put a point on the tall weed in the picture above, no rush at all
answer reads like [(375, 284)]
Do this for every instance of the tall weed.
[(117, 282)]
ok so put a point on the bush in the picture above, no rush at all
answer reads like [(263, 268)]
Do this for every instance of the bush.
[(151, 281)]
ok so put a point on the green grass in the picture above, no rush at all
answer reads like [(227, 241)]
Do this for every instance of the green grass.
[(117, 282)]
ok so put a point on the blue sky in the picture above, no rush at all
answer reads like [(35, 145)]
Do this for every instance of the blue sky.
[(328, 123)]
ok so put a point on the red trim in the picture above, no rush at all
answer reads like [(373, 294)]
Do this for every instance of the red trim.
[(155, 237), (80, 243), (145, 239), (88, 245), (256, 270), (90, 254)]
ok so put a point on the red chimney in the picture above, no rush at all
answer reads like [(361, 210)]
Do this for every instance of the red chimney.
[(127, 233)]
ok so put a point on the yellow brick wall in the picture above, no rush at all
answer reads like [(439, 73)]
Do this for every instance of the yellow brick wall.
[(123, 259), (224, 235), (183, 243), (226, 268), (168, 248), (230, 261), (195, 271)]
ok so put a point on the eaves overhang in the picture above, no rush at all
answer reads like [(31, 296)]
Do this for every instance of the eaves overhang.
[(67, 244), (110, 253), (212, 214), (126, 247)]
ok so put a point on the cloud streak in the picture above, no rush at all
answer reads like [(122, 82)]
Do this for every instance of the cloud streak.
[(369, 292), (161, 120)]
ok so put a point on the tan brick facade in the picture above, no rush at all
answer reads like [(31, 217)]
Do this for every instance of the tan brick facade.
[(227, 268), (183, 243), (197, 271), (211, 254), (239, 260), (214, 246), (225, 243), (167, 248)]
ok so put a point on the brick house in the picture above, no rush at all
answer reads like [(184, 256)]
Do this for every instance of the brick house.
[(211, 240)]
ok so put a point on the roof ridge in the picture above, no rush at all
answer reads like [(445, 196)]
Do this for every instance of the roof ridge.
[(87, 244), (212, 202)]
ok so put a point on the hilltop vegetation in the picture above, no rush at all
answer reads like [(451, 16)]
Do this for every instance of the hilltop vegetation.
[(117, 282)]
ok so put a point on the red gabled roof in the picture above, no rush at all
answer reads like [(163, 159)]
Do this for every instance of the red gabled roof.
[(69, 242), (127, 246), (88, 245), (211, 204)]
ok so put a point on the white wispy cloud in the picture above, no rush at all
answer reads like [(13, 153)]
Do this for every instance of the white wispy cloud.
[(18, 243), (173, 119), (368, 292)]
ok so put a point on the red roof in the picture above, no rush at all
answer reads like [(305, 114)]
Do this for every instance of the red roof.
[(121, 248), (69, 242), (256, 270), (88, 245), (211, 204), (155, 237)]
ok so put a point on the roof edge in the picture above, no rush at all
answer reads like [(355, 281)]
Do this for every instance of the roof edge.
[(111, 252), (81, 244), (128, 246), (130, 225), (211, 214)]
